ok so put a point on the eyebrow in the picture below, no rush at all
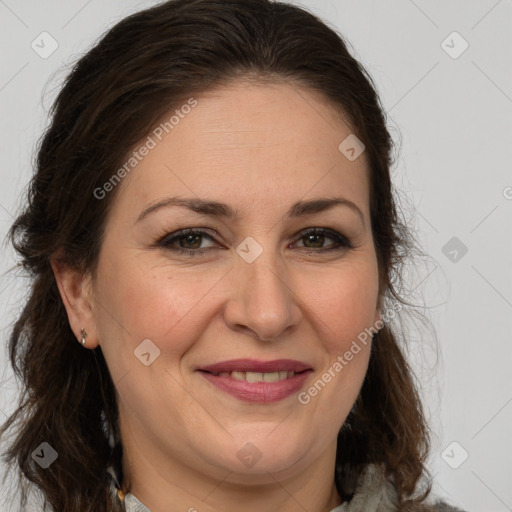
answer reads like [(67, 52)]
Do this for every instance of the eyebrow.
[(222, 210)]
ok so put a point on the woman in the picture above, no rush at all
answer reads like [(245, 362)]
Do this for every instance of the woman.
[(258, 370)]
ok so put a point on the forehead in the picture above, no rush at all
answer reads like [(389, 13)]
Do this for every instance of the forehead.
[(249, 145)]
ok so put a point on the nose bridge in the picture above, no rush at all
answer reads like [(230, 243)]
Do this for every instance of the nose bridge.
[(262, 299)]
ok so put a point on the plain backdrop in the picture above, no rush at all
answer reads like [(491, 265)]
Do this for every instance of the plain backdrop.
[(443, 70)]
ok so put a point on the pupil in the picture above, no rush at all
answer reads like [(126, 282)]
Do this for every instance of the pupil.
[(190, 238), (311, 237)]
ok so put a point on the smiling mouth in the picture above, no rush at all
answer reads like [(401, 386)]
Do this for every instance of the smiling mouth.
[(258, 387), (257, 376)]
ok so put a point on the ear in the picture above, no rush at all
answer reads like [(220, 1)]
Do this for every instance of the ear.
[(75, 290)]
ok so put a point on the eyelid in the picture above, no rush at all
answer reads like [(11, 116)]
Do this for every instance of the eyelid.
[(182, 232), (341, 241), (335, 235)]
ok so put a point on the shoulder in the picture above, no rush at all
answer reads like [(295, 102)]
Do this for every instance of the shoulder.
[(377, 493)]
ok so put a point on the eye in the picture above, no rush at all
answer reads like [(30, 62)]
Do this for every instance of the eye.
[(188, 240), (314, 239)]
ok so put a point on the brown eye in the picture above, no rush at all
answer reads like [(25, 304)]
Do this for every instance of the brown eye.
[(192, 240), (189, 241), (186, 241), (315, 239)]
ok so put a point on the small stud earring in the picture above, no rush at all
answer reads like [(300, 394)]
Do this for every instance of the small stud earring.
[(84, 335)]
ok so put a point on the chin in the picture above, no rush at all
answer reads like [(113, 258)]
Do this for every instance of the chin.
[(260, 455)]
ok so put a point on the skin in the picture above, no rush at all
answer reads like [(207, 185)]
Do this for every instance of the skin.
[(259, 148)]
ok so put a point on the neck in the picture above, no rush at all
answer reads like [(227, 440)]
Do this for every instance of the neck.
[(166, 484)]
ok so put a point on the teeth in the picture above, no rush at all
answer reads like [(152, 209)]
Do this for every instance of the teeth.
[(253, 377), (271, 377), (258, 376)]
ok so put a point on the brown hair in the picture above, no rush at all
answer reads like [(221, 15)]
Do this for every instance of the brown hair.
[(115, 94)]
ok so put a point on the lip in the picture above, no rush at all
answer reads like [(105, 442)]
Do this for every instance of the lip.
[(258, 392), (256, 365)]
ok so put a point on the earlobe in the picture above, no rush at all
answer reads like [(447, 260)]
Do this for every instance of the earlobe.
[(75, 291)]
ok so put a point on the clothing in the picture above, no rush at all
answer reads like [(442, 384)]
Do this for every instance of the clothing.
[(373, 493)]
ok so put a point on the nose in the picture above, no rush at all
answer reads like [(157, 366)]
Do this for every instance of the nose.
[(262, 301)]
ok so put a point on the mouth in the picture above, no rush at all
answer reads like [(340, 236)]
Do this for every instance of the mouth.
[(258, 381), (257, 366), (257, 376)]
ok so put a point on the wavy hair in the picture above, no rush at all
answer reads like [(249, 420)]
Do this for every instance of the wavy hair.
[(115, 94)]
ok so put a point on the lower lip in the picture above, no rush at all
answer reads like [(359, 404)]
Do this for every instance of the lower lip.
[(262, 392)]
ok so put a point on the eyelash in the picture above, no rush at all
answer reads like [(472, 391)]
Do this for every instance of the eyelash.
[(165, 242)]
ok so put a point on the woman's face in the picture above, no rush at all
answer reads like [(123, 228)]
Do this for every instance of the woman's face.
[(252, 285)]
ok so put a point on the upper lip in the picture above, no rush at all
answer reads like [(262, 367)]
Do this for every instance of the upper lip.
[(255, 365)]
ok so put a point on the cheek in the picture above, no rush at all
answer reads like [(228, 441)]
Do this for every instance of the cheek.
[(344, 304), (352, 314), (342, 314), (160, 303)]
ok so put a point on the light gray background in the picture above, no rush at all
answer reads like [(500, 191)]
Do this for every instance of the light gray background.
[(454, 118)]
